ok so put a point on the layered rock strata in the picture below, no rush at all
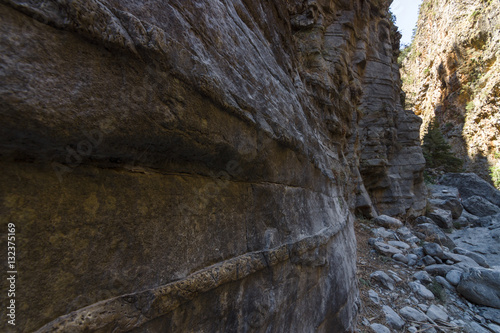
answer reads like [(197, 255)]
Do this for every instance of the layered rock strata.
[(193, 166), (452, 74)]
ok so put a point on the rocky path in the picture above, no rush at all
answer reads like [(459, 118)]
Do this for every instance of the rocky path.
[(441, 273)]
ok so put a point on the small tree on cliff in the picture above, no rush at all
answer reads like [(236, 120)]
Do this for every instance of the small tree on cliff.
[(437, 151)]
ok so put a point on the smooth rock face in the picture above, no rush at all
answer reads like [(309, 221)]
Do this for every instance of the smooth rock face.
[(481, 286), (195, 165), (481, 207)]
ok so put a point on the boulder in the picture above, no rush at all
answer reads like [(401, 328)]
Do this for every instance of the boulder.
[(441, 217), (399, 244), (432, 233), (433, 249), (443, 192), (422, 276), (374, 297), (421, 290), (412, 314), (481, 286), (387, 222), (392, 319), (470, 184), (481, 260), (491, 314), (454, 277), (442, 281), (437, 313), (428, 260), (480, 207), (441, 270), (379, 328), (451, 204), (383, 279), (401, 258), (386, 249)]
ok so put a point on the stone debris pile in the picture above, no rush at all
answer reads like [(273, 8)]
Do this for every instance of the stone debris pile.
[(443, 269)]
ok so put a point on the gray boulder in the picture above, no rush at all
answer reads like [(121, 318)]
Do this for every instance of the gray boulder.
[(454, 277), (374, 297), (481, 260), (386, 249), (481, 286), (433, 249), (441, 270), (379, 328), (422, 276), (412, 314), (470, 184), (480, 207), (436, 313), (383, 279), (432, 233), (442, 281), (451, 204), (491, 314), (388, 222), (421, 290), (392, 318), (401, 258), (441, 217), (443, 192)]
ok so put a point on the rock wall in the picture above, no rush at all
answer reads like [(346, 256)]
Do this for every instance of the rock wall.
[(451, 74), (194, 166)]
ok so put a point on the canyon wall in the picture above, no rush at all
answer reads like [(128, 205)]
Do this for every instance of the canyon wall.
[(452, 74), (197, 165)]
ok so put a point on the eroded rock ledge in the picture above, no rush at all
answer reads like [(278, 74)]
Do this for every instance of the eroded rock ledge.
[(146, 147)]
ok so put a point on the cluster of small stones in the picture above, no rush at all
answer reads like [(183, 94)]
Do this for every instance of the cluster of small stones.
[(431, 284)]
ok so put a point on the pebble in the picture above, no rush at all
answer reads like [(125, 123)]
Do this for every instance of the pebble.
[(428, 260)]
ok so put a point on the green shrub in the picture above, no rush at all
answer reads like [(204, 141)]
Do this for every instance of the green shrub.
[(495, 175), (437, 151)]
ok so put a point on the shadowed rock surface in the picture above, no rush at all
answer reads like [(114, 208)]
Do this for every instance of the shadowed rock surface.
[(194, 166)]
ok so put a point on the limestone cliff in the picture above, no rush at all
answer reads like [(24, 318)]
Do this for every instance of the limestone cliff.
[(195, 165), (452, 74)]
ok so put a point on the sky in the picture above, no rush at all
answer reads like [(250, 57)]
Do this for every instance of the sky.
[(406, 12)]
